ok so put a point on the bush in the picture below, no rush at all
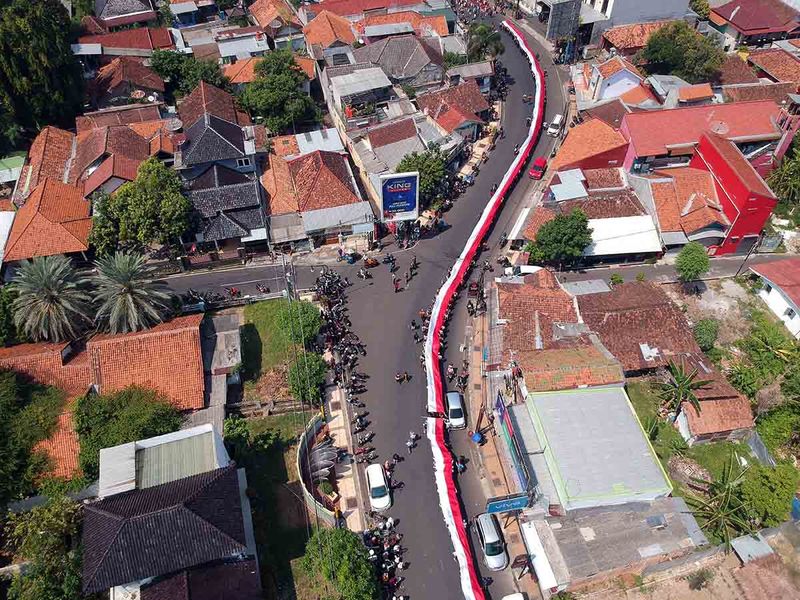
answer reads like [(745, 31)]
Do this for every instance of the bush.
[(242, 443), (692, 262), (326, 487), (301, 321), (132, 414), (616, 279), (342, 559), (768, 493), (745, 378), (306, 377), (790, 386), (705, 333), (700, 579), (777, 426)]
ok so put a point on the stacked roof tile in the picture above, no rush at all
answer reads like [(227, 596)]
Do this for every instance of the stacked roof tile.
[(455, 106)]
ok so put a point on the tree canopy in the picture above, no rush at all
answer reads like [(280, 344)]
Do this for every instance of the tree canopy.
[(276, 94), (700, 7), (785, 182), (483, 41), (9, 334), (692, 262), (40, 78), (149, 209), (430, 165), (768, 491), (131, 414), (341, 558), (677, 49), (47, 536), (561, 240), (306, 377), (183, 72), (301, 321)]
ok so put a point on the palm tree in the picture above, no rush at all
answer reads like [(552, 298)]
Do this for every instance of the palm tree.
[(680, 388), (52, 302), (722, 511), (129, 300), (483, 41)]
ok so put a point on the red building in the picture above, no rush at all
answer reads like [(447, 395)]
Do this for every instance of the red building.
[(743, 195)]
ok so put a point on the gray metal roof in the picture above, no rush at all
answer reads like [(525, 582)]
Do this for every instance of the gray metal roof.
[(286, 228), (392, 154), (321, 139), (174, 460), (400, 57), (181, 8), (595, 448), (388, 29), (751, 547), (590, 286), (337, 216), (470, 70), (359, 82)]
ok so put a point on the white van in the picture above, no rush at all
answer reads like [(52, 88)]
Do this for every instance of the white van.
[(492, 544), (455, 411), (380, 498), (555, 125)]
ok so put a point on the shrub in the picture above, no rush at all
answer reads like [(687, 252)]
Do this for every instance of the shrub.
[(242, 443), (640, 276), (768, 492), (705, 333), (692, 261), (745, 378), (700, 579), (326, 487), (301, 321), (777, 426), (790, 386), (306, 376), (131, 414), (341, 558), (616, 279)]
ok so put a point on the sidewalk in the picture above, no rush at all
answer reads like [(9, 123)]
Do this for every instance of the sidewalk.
[(347, 477)]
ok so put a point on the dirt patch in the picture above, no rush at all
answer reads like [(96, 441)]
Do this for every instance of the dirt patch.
[(687, 472), (724, 300)]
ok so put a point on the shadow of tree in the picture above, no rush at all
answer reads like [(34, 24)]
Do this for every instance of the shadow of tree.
[(251, 351)]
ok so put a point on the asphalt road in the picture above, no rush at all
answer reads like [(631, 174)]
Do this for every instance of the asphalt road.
[(381, 319)]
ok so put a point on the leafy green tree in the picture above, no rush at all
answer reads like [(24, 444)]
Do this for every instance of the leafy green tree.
[(301, 321), (52, 303), (40, 78), (561, 240), (9, 130), (700, 7), (680, 387), (785, 180), (184, 72), (768, 491), (8, 330), (705, 333), (307, 376), (692, 262), (128, 298), (244, 445), (341, 558), (430, 165), (149, 209), (483, 41), (453, 59), (722, 513), (131, 414), (677, 49), (47, 537), (276, 94), (779, 427)]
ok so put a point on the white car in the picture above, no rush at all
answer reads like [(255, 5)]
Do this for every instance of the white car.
[(492, 545), (555, 125), (455, 411), (380, 497)]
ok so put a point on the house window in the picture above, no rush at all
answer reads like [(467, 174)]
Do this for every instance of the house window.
[(789, 313), (242, 162)]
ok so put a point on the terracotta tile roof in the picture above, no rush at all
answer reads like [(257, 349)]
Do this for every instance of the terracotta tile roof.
[(606, 205), (97, 144), (595, 179), (758, 16), (693, 93), (166, 358), (115, 165), (590, 138), (652, 133), (149, 129), (637, 313), (779, 64), (744, 170), (540, 300), (610, 112), (453, 106), (306, 65), (350, 8), (54, 220), (391, 133), (92, 25), (43, 362), (285, 145), (140, 38), (718, 387), (616, 64), (639, 95), (568, 368), (277, 181), (735, 70), (267, 11), (776, 92), (62, 448), (206, 98), (120, 115), (538, 217), (632, 37), (719, 416), (784, 274), (422, 24), (48, 157), (692, 205), (126, 69), (327, 28), (242, 71)]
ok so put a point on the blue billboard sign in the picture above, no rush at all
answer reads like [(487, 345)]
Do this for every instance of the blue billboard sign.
[(400, 197), (504, 504)]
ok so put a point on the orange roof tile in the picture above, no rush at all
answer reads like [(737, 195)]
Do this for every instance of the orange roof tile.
[(242, 71), (62, 447), (119, 115), (735, 70), (54, 220), (277, 181), (126, 69), (392, 133), (634, 36), (115, 165), (538, 217), (327, 28), (43, 362), (166, 358), (285, 145), (206, 98), (590, 138), (692, 93), (423, 25), (746, 92), (784, 274), (138, 38), (603, 178), (615, 65), (97, 144), (779, 64), (638, 95), (693, 205), (306, 65), (454, 106), (267, 11), (48, 157), (568, 368), (719, 416)]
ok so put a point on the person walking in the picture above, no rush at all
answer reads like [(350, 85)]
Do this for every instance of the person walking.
[(396, 458), (408, 277), (410, 445), (396, 285)]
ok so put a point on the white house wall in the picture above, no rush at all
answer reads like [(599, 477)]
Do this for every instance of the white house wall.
[(616, 85), (778, 303)]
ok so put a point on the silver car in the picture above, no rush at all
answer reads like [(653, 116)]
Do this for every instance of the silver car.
[(455, 411), (492, 544)]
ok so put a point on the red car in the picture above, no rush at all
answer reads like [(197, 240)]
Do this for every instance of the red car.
[(537, 170)]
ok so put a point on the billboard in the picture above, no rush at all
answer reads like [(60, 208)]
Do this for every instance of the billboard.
[(400, 197)]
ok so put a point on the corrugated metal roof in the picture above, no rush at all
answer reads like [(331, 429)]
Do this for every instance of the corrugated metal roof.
[(327, 140), (360, 81), (479, 69), (173, 460), (388, 29), (117, 469), (623, 235), (590, 286), (6, 221), (751, 547), (338, 216)]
